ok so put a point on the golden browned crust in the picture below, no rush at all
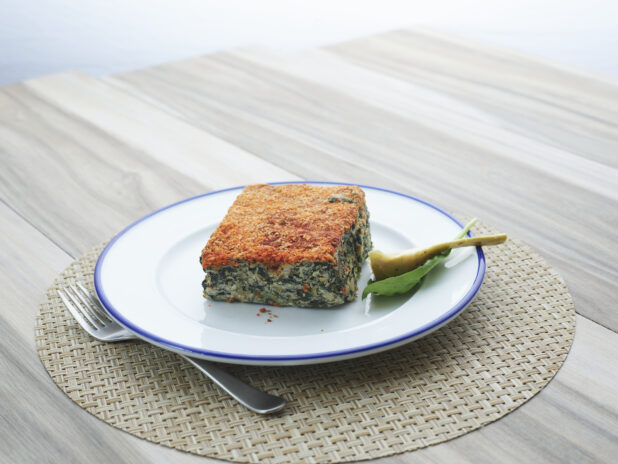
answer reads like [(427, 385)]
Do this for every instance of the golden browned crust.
[(275, 225)]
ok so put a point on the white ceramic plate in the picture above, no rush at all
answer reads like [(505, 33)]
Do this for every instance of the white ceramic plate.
[(149, 279)]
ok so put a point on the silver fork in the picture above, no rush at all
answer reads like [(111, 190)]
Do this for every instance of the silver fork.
[(95, 320)]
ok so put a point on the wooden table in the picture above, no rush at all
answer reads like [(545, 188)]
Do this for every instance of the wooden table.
[(528, 147)]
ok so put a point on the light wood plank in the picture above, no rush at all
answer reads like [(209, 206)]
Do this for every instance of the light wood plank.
[(39, 423), (79, 184), (440, 112), (192, 152), (252, 129), (572, 110), (72, 181), (323, 129), (29, 263)]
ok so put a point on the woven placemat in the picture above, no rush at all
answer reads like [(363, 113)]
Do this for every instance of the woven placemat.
[(499, 353)]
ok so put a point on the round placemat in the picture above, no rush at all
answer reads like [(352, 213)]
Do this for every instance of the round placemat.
[(498, 354)]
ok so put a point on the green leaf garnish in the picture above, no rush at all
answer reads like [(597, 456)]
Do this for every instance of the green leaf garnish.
[(405, 282)]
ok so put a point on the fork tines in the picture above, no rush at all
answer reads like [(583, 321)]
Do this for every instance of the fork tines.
[(83, 306)]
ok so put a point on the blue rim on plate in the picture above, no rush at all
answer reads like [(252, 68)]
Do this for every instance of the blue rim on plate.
[(452, 313)]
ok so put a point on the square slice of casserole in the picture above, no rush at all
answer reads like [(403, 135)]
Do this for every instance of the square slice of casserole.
[(289, 245)]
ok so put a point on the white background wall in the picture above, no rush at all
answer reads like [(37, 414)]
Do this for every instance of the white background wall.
[(39, 37)]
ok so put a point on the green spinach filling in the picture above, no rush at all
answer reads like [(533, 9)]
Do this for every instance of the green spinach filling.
[(305, 284)]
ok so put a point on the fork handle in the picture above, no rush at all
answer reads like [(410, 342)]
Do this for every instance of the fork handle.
[(252, 398)]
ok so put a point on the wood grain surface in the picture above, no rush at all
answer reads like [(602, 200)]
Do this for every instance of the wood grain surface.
[(325, 118), (527, 147)]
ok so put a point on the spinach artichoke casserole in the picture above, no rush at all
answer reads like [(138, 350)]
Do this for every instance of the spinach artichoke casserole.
[(289, 245)]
